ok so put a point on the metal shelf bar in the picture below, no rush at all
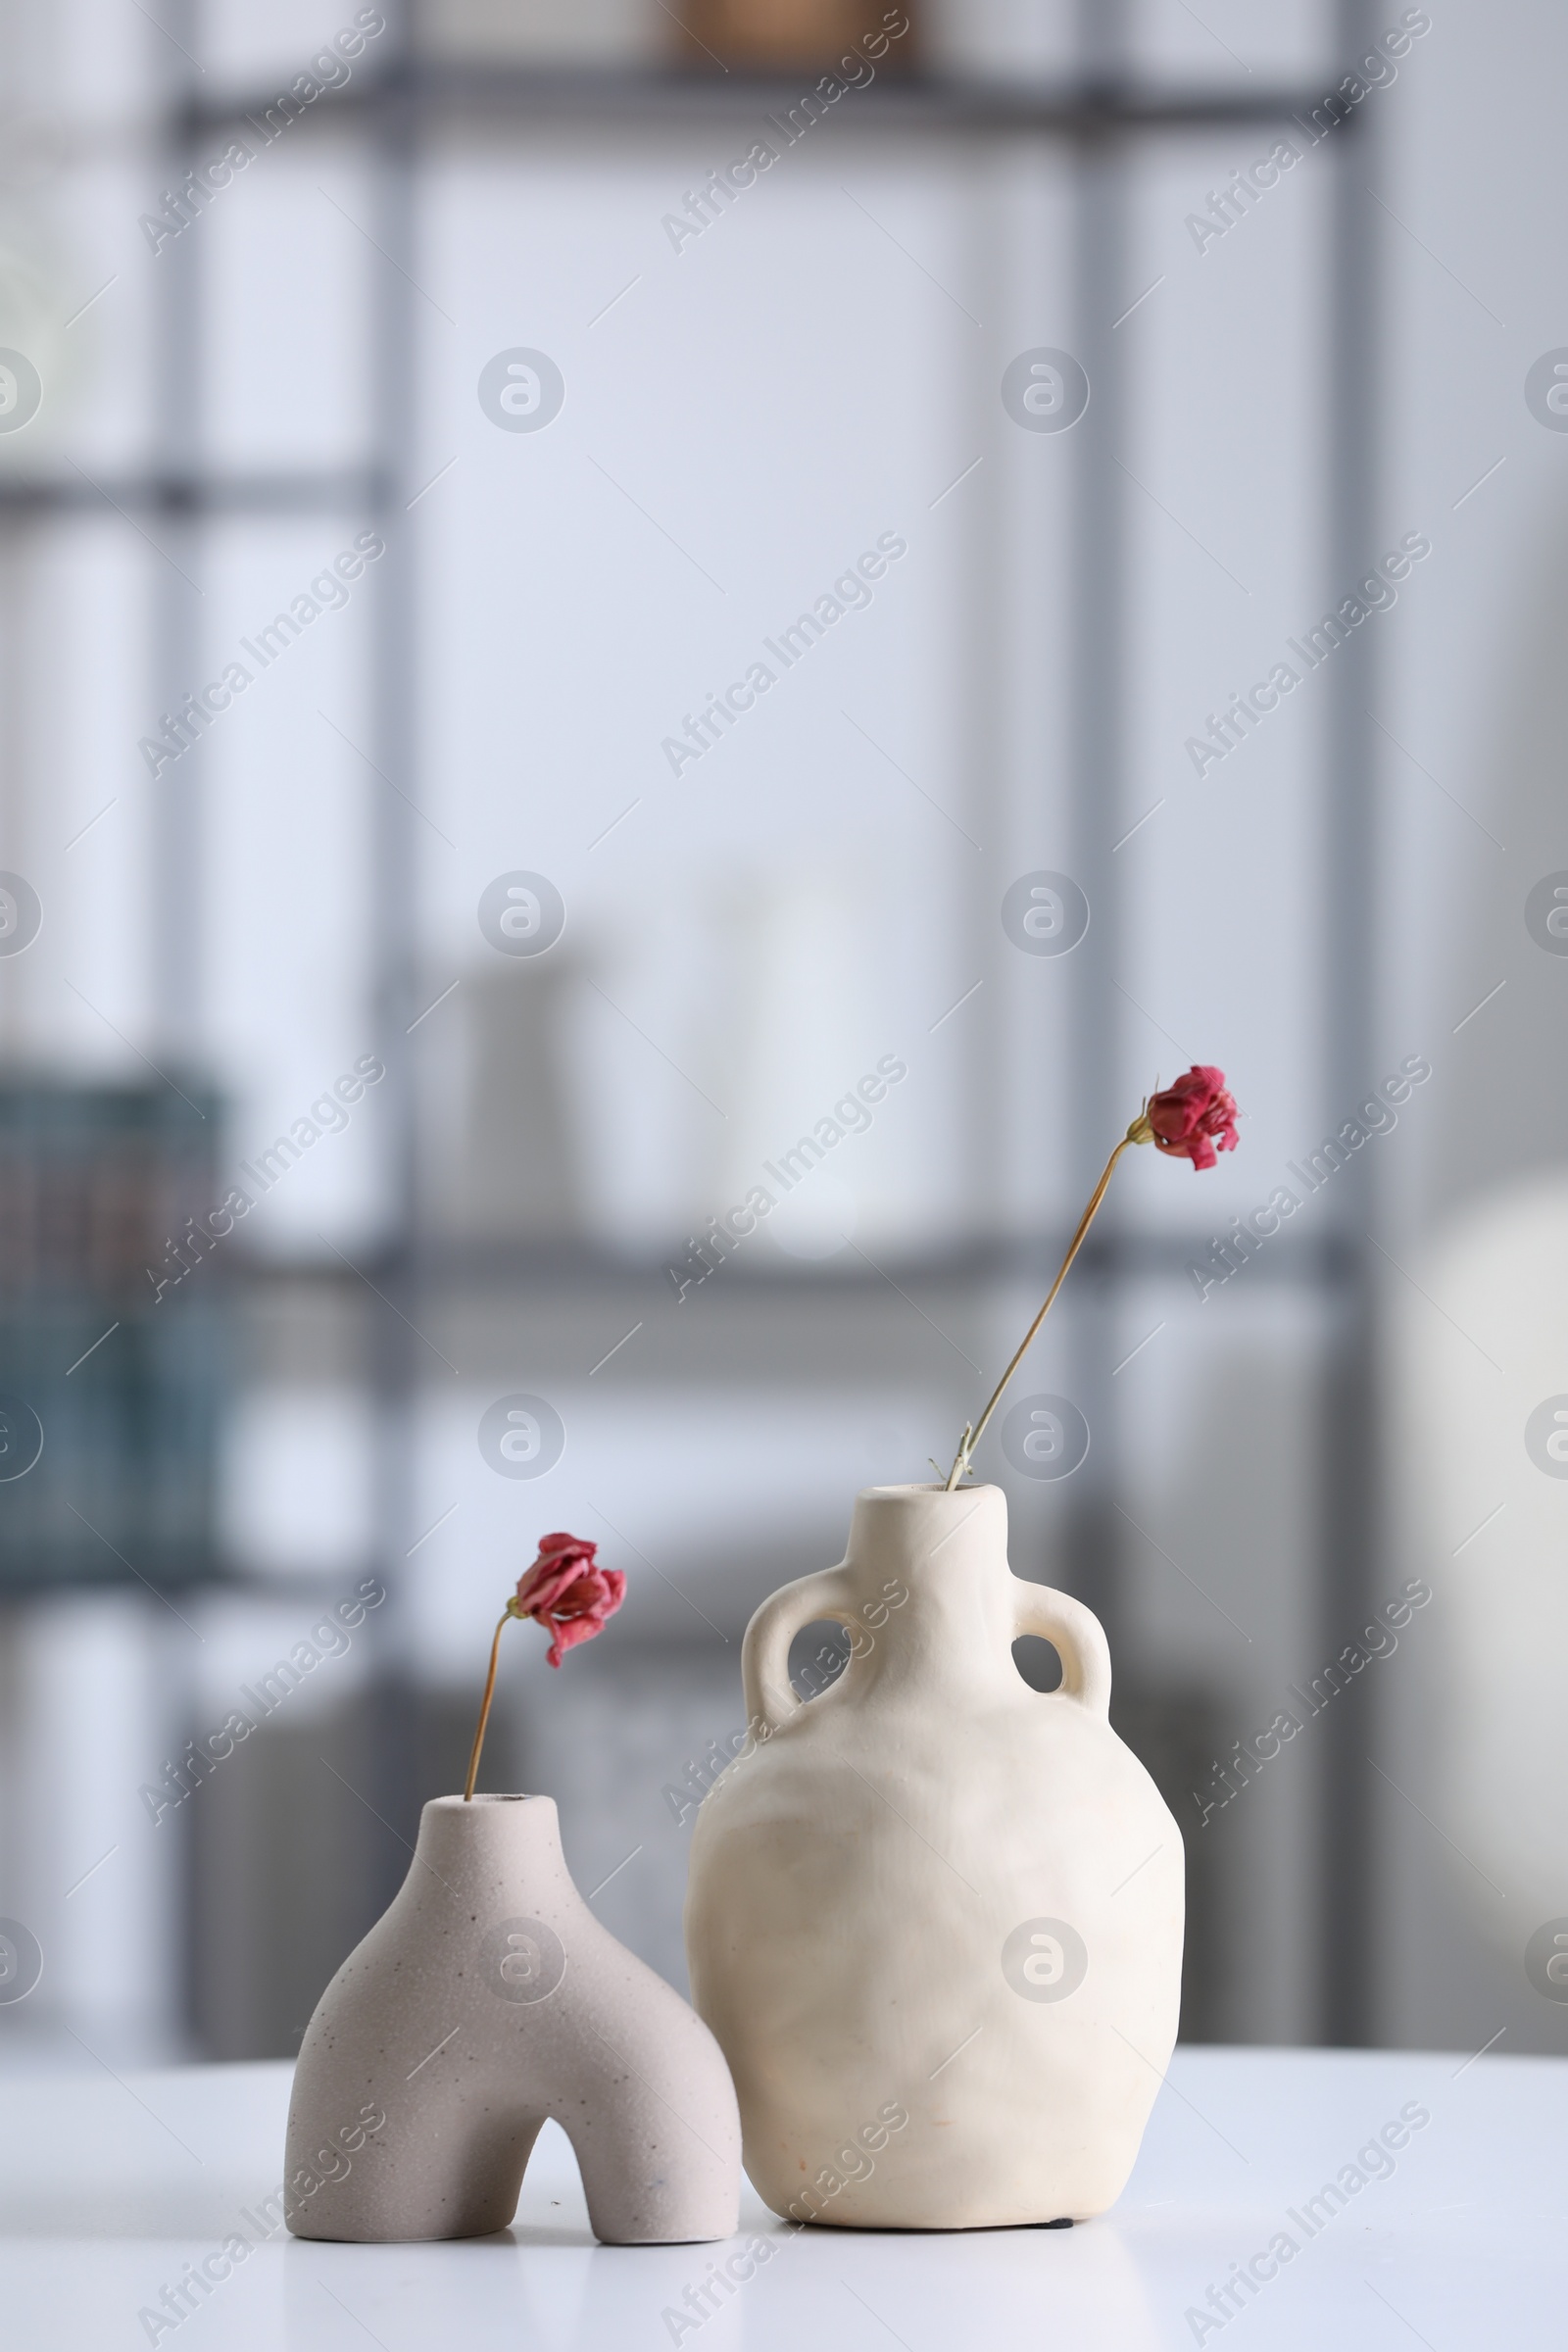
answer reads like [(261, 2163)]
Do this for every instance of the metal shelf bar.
[(428, 93)]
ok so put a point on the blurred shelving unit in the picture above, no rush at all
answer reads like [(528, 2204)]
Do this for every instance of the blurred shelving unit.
[(433, 79)]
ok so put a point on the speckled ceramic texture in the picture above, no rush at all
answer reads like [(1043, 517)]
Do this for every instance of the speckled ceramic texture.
[(487, 1998), (935, 1917)]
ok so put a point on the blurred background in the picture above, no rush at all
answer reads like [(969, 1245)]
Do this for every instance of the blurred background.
[(380, 1038)]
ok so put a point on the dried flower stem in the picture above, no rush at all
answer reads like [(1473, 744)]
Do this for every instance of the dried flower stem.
[(1140, 1132), (484, 1707)]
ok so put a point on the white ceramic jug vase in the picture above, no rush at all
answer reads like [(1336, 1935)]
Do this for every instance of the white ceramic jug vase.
[(934, 1916)]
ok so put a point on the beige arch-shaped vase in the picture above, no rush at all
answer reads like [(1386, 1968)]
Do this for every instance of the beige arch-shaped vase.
[(487, 1998)]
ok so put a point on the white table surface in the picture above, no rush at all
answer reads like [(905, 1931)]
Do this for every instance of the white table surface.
[(109, 2185)]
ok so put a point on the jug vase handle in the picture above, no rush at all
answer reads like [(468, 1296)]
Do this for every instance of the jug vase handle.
[(1077, 1636), (771, 1697)]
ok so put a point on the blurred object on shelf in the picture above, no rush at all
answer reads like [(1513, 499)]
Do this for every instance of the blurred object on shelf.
[(108, 1383), (502, 1158), (567, 33), (813, 36)]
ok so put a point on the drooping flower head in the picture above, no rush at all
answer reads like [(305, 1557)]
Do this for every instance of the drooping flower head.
[(570, 1597), (1189, 1118), (566, 1594)]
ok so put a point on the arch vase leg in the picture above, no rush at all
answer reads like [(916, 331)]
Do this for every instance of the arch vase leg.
[(487, 1998)]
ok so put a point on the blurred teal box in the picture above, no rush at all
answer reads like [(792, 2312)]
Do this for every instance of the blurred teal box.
[(110, 1390)]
